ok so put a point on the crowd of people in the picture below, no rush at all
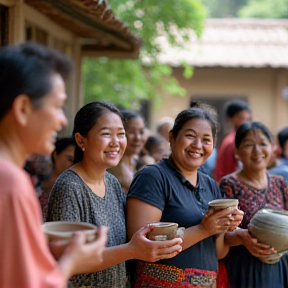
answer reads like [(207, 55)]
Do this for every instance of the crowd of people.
[(114, 174)]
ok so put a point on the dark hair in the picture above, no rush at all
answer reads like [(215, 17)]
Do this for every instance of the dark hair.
[(235, 106), (87, 117), (251, 126), (153, 141), (196, 111), (27, 69), (130, 114), (282, 137), (61, 144)]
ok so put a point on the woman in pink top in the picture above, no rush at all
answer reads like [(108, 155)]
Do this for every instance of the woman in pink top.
[(32, 95)]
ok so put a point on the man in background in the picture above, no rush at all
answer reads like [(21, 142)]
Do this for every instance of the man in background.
[(238, 112)]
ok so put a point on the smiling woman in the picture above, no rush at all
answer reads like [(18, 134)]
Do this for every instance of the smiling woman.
[(32, 90), (87, 192), (126, 169), (255, 189), (173, 190)]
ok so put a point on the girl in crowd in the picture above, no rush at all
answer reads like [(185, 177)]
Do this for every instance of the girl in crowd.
[(32, 90), (255, 189), (178, 192), (87, 192), (126, 169)]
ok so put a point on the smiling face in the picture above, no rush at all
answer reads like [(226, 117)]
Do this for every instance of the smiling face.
[(254, 150), (106, 142), (135, 129), (193, 144), (44, 122)]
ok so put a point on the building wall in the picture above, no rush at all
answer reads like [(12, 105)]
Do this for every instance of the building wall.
[(261, 87), (20, 15)]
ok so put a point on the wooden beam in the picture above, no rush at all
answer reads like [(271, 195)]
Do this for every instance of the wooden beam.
[(71, 17)]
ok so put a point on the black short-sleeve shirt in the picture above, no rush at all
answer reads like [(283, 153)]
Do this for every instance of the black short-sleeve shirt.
[(164, 187)]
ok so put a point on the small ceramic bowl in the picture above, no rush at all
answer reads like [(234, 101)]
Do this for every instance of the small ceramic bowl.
[(60, 233), (220, 204), (162, 228)]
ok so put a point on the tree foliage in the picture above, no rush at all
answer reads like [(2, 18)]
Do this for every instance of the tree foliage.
[(223, 8), (265, 9), (126, 81)]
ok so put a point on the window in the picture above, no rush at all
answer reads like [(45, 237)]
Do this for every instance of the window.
[(62, 46), (33, 33), (4, 26)]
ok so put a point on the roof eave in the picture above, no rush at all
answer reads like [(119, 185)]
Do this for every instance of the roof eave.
[(92, 20)]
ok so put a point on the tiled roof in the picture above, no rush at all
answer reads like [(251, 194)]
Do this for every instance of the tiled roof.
[(233, 43), (92, 20)]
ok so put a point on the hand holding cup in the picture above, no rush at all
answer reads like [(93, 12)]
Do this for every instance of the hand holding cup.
[(235, 217)]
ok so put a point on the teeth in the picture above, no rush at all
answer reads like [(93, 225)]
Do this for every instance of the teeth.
[(112, 153), (194, 154)]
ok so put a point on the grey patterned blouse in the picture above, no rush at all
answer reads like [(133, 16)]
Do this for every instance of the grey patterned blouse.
[(71, 199)]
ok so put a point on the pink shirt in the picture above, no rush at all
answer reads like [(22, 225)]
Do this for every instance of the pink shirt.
[(25, 259)]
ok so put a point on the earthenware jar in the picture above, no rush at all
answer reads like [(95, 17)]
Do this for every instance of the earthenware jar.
[(270, 227)]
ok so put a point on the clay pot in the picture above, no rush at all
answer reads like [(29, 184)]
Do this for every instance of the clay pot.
[(162, 229), (220, 204), (270, 227), (60, 233)]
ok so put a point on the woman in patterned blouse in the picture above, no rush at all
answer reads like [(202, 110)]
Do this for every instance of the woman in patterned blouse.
[(87, 192), (255, 189)]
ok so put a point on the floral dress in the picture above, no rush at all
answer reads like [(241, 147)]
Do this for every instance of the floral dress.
[(244, 270)]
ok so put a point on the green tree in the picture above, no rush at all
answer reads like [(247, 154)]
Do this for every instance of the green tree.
[(265, 9), (126, 81), (223, 8)]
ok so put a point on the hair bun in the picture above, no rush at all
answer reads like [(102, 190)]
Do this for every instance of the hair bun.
[(194, 104)]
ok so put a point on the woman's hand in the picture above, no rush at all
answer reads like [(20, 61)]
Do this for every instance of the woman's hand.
[(152, 251), (254, 247), (220, 221), (81, 257), (236, 218)]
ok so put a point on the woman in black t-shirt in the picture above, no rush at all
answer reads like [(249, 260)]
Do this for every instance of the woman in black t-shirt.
[(173, 190)]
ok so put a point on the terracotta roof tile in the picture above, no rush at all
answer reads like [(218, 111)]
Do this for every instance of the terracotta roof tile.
[(233, 43)]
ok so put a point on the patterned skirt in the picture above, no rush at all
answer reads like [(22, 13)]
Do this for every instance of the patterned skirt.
[(158, 275)]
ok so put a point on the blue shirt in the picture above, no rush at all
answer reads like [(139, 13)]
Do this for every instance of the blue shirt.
[(163, 186)]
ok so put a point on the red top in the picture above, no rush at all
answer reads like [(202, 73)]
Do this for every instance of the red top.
[(226, 162)]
